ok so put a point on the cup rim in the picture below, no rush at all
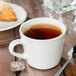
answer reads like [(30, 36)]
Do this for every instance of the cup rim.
[(42, 39)]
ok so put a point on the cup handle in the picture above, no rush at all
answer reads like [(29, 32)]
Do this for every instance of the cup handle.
[(11, 49)]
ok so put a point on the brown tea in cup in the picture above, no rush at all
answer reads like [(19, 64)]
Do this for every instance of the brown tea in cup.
[(42, 31), (42, 39)]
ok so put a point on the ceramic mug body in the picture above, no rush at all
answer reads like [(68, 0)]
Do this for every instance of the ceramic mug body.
[(40, 54)]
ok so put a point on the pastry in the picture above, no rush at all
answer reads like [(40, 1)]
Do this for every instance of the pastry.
[(6, 12)]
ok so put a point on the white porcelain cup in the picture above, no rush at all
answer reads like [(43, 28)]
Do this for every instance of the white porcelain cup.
[(40, 54)]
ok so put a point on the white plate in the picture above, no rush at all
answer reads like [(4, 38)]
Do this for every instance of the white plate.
[(21, 17)]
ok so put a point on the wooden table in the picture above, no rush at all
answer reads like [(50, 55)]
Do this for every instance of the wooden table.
[(34, 9)]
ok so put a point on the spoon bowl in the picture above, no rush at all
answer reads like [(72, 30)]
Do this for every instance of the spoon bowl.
[(71, 54)]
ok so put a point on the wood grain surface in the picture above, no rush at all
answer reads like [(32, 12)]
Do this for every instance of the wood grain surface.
[(5, 57), (34, 9)]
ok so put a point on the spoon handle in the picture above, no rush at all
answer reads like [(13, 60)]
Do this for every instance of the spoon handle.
[(62, 68)]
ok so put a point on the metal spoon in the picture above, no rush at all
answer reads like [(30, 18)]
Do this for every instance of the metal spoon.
[(72, 54)]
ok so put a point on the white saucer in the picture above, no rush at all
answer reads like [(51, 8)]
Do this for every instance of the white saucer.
[(21, 17)]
